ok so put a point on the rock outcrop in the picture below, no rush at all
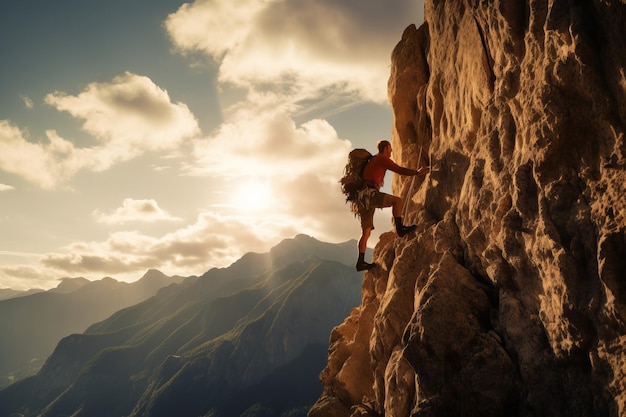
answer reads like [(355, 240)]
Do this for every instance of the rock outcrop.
[(510, 299)]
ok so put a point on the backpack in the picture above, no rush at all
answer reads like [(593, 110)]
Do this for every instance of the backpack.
[(352, 181)]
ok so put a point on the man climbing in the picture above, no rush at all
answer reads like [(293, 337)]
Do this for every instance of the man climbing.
[(374, 174)]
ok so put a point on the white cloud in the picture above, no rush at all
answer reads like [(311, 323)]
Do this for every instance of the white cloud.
[(304, 204), (307, 45), (228, 22), (5, 187), (302, 164), (44, 164), (270, 144), (212, 241), (131, 113), (128, 116), (28, 103), (135, 211), (25, 277)]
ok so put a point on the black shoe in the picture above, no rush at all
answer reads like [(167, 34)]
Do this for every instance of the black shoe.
[(402, 230), (364, 266)]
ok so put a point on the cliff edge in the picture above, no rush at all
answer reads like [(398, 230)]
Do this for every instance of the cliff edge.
[(510, 299)]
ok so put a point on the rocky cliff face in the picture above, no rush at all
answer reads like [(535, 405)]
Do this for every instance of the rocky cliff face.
[(510, 300)]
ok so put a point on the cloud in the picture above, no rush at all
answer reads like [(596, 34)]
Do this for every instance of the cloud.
[(313, 207), (128, 116), (227, 21), (135, 211), (25, 277), (5, 187), (130, 112), (306, 45), (269, 144), (41, 163), (212, 241), (305, 203), (27, 101)]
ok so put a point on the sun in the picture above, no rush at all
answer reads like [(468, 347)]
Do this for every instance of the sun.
[(253, 195)]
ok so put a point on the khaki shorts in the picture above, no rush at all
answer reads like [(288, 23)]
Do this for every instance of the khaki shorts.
[(379, 200)]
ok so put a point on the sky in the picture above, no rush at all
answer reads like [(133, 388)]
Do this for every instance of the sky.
[(138, 134)]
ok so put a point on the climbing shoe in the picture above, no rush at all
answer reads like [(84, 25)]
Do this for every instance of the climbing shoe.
[(364, 266), (403, 230)]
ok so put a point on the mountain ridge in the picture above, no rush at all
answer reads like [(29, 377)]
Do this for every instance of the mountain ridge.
[(31, 325), (215, 341)]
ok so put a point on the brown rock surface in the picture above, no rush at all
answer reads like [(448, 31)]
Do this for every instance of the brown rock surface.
[(510, 299)]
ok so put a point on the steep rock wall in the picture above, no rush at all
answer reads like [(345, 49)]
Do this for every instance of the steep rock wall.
[(510, 299)]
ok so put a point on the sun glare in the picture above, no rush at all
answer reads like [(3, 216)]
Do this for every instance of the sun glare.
[(254, 196)]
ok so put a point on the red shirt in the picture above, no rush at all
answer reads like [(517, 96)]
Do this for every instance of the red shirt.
[(375, 170)]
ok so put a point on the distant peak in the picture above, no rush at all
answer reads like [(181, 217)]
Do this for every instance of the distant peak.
[(70, 284), (302, 237), (153, 274)]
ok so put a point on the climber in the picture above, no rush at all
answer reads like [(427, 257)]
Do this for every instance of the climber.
[(372, 198)]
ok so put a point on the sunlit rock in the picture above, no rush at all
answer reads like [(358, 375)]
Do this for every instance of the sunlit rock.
[(509, 300)]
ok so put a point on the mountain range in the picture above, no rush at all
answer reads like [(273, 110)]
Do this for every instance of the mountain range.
[(247, 340), (7, 293), (32, 325)]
